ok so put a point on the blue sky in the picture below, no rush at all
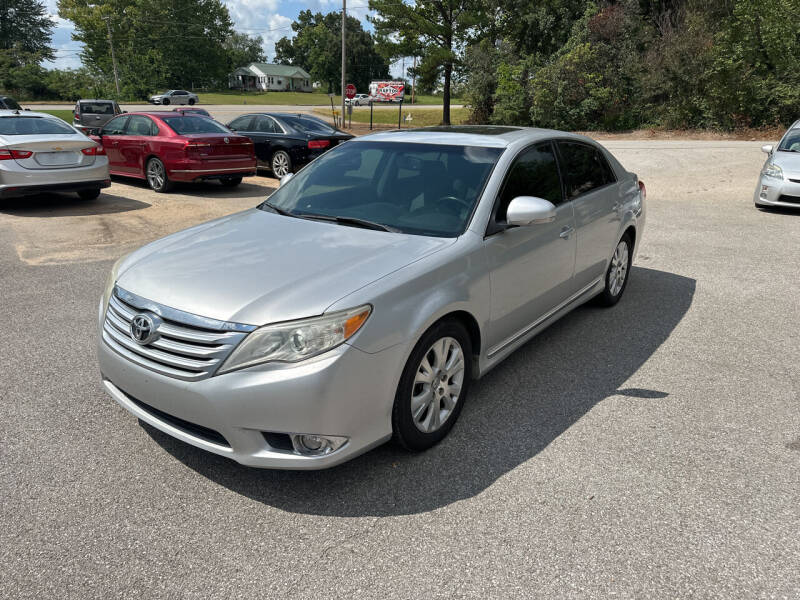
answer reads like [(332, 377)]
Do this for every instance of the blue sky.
[(271, 19)]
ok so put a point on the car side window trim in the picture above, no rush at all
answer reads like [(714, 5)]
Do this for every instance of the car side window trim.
[(565, 179)]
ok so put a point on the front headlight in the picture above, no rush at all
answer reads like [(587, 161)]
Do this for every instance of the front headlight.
[(294, 341), (772, 170), (111, 281)]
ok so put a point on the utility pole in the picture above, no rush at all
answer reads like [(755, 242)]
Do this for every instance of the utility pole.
[(414, 81), (113, 56), (344, 50)]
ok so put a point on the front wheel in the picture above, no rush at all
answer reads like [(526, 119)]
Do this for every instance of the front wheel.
[(230, 181), (618, 272), (165, 101), (433, 387), (281, 164), (89, 194), (157, 176)]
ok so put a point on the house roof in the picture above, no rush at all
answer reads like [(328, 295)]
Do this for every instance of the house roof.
[(263, 69)]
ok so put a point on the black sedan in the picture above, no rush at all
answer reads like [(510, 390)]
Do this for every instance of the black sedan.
[(284, 142)]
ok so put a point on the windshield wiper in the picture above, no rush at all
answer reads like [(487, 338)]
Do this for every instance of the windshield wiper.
[(352, 221), (277, 209)]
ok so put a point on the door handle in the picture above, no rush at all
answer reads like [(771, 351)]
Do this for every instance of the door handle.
[(566, 232)]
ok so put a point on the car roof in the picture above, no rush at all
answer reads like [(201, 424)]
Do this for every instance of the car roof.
[(95, 100), (496, 136), (5, 112)]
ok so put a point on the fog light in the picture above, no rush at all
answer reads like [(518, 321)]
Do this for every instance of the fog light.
[(317, 445), (764, 189)]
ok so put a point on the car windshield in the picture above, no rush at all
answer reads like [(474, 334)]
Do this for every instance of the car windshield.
[(189, 124), (309, 125), (12, 104), (791, 143), (421, 189), (32, 125)]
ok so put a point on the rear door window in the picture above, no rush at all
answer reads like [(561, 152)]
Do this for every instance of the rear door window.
[(140, 125), (266, 125), (585, 168)]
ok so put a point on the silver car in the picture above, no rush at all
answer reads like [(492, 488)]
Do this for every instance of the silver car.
[(779, 183), (359, 301), (41, 153), (174, 97)]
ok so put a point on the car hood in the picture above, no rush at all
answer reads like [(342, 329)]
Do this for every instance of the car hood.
[(257, 267), (788, 161)]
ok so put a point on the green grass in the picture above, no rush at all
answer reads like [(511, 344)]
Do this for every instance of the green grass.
[(66, 115), (295, 98), (421, 117)]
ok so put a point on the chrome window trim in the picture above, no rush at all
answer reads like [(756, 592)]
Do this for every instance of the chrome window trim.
[(173, 314)]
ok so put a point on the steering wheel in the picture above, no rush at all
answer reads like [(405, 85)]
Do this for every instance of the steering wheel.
[(449, 205)]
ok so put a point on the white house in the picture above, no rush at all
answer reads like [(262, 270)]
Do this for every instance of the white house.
[(268, 77)]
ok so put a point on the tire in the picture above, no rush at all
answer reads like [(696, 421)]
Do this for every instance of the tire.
[(165, 102), (156, 175), (618, 273), (281, 164), (231, 181), (422, 417), (191, 101), (89, 194)]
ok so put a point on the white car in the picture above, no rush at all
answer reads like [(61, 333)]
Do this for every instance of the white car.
[(358, 100), (779, 183), (175, 97), (41, 153)]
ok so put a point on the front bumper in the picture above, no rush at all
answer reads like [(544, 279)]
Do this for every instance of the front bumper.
[(345, 392), (771, 191)]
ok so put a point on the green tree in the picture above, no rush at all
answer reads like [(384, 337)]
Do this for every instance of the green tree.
[(438, 31), (26, 31), (157, 44), (317, 48), (243, 49)]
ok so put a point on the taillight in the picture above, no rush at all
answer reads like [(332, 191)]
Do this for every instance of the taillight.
[(9, 154), (317, 144), (94, 151), (643, 190), (201, 149)]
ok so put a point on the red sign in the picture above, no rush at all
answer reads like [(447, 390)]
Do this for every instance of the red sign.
[(350, 91), (387, 91)]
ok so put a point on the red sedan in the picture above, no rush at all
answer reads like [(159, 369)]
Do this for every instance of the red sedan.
[(164, 147)]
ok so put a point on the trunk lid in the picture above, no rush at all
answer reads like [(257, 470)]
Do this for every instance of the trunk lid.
[(219, 146), (51, 154)]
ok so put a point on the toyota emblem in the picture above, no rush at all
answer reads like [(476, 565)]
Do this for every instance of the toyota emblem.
[(144, 328)]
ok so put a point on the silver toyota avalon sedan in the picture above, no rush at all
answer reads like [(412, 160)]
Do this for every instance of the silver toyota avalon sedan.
[(357, 303), (779, 183), (41, 153)]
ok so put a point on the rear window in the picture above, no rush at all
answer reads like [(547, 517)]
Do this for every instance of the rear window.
[(11, 104), (24, 125), (307, 124), (97, 108), (189, 124)]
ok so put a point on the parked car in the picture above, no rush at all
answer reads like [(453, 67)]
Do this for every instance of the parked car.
[(286, 141), (174, 97), (8, 103), (193, 111), (41, 153), (164, 147), (89, 116), (359, 301), (779, 183), (358, 100)]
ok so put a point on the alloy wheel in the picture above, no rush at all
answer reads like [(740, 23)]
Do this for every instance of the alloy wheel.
[(619, 268), (280, 164), (155, 174), (437, 385)]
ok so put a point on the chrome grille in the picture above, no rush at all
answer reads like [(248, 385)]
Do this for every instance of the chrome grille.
[(183, 350)]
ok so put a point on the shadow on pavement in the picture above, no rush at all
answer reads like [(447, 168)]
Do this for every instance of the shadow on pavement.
[(69, 205), (512, 414), (204, 189)]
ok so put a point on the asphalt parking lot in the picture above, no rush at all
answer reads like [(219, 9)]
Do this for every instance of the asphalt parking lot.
[(650, 450)]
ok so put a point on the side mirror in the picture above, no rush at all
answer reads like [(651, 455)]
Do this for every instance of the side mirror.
[(767, 149), (285, 179), (529, 210)]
